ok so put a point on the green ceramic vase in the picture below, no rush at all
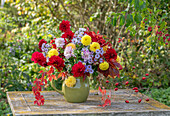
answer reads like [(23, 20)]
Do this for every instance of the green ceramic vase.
[(76, 94)]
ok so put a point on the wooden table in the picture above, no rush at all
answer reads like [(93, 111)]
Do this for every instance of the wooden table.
[(21, 103)]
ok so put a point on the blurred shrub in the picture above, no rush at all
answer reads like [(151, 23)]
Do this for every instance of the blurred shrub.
[(161, 95)]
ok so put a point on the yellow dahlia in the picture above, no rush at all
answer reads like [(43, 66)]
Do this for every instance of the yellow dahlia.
[(94, 46), (72, 45), (86, 40), (71, 81), (104, 66), (53, 52)]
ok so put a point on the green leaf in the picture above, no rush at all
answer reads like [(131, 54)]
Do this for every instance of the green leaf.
[(137, 4), (130, 1), (129, 20), (138, 18), (143, 5), (113, 22), (122, 20)]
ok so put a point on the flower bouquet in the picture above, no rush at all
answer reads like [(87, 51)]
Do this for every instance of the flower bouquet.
[(75, 57)]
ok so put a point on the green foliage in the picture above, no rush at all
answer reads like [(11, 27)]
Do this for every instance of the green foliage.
[(4, 107), (161, 95)]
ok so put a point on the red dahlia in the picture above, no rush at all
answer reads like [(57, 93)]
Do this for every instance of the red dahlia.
[(64, 26), (57, 62), (78, 70), (110, 54), (40, 44), (68, 34), (39, 58)]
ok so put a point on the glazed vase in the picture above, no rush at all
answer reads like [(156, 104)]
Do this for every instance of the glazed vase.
[(76, 94)]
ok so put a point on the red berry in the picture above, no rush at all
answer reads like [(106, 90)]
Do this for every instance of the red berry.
[(116, 84), (133, 67), (158, 26), (147, 74), (149, 29), (147, 99), (135, 88), (139, 100), (143, 78), (126, 83), (166, 43), (145, 19), (143, 22), (164, 38), (136, 91), (116, 89), (167, 35), (127, 101), (107, 81)]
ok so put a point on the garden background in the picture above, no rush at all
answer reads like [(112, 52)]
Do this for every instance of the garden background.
[(138, 30)]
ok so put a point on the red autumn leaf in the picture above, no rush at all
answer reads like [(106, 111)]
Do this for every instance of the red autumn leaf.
[(50, 71), (113, 72), (41, 71), (35, 102), (100, 89), (54, 77), (112, 61), (105, 91), (50, 78), (107, 101), (98, 32), (45, 81), (60, 75)]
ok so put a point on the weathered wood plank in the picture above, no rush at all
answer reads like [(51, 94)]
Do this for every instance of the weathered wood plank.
[(21, 103)]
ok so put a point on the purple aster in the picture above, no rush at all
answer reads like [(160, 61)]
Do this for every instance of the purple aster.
[(85, 54), (97, 56), (102, 51), (90, 61), (74, 40), (95, 59), (91, 71), (89, 66), (97, 51), (101, 60)]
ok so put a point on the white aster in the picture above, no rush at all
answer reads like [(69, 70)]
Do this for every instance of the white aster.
[(60, 42), (68, 52)]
